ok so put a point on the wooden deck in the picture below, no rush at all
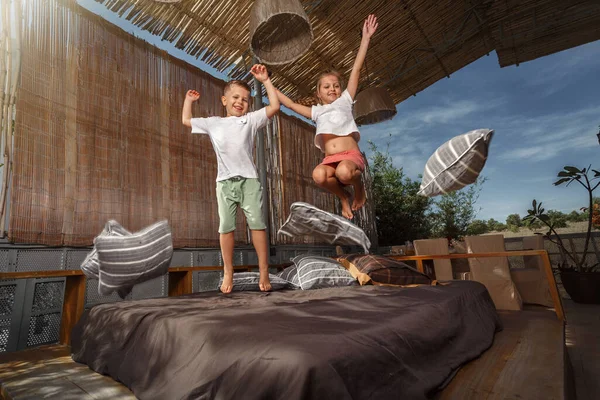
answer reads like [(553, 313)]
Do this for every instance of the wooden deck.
[(49, 372), (583, 345), (525, 362)]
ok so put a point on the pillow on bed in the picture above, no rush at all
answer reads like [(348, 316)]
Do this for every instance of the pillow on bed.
[(290, 275), (90, 265), (315, 272), (249, 281), (128, 260), (457, 163), (308, 220), (380, 270)]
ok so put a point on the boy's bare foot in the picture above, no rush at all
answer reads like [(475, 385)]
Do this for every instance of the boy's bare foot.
[(346, 210), (264, 282), (359, 197), (227, 285)]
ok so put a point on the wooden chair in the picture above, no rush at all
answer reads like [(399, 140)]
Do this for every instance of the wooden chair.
[(442, 268), (531, 281), (493, 272)]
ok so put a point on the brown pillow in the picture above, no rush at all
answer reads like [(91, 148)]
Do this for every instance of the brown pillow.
[(379, 270)]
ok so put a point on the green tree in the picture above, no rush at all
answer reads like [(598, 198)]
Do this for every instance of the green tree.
[(575, 216), (453, 212), (513, 222), (478, 227), (494, 225), (400, 213), (557, 219)]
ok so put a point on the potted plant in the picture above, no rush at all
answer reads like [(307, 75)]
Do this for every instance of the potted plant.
[(580, 275)]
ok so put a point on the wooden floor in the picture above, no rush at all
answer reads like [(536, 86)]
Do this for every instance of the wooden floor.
[(525, 362), (49, 373), (583, 345)]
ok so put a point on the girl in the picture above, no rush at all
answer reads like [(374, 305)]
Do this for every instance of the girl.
[(337, 134)]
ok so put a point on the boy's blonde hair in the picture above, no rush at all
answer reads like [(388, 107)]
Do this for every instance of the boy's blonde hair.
[(236, 82)]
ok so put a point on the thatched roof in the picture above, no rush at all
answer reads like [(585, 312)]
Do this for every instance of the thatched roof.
[(418, 41)]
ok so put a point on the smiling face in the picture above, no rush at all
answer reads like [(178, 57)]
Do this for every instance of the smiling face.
[(329, 88), (236, 100)]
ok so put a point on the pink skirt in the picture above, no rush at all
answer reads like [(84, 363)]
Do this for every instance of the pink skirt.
[(351, 155)]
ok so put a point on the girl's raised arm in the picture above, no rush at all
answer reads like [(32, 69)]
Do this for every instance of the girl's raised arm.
[(369, 28), (298, 108)]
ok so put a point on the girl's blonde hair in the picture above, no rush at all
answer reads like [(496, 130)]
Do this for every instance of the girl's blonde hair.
[(327, 73)]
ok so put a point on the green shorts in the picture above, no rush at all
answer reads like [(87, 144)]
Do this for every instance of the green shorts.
[(243, 192)]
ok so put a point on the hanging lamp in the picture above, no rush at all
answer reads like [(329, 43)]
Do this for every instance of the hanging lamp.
[(280, 31)]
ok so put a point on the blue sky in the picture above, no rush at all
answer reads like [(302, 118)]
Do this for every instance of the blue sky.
[(545, 114)]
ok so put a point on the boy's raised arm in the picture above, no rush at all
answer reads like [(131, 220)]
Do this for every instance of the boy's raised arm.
[(186, 114), (369, 28), (260, 72)]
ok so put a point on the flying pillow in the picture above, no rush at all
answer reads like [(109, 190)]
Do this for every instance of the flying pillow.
[(457, 163)]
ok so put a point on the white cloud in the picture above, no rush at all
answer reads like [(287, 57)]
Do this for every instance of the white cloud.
[(547, 136), (565, 67)]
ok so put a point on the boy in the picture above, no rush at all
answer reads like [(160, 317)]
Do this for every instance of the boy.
[(232, 138)]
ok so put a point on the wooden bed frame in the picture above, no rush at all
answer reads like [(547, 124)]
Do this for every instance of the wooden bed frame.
[(528, 334)]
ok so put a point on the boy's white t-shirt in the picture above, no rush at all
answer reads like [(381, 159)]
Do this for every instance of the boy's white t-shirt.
[(335, 118), (233, 141)]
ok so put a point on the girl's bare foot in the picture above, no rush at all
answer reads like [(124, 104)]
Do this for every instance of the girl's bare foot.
[(227, 285), (346, 210), (264, 282)]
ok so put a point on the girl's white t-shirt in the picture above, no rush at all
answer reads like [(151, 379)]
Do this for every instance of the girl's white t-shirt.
[(233, 141), (335, 118)]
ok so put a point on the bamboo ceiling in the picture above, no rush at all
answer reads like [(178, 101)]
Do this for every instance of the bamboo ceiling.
[(418, 41)]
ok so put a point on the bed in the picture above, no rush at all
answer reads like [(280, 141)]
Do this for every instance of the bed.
[(356, 342)]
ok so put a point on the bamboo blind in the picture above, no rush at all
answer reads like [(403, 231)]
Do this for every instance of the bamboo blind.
[(98, 136)]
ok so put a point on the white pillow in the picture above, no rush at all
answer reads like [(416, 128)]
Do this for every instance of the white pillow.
[(457, 163)]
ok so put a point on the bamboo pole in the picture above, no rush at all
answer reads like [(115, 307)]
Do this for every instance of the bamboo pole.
[(6, 117)]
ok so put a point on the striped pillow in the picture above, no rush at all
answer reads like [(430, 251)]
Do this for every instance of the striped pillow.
[(457, 163), (308, 220), (91, 265), (380, 270), (290, 275), (128, 260), (315, 272), (243, 281)]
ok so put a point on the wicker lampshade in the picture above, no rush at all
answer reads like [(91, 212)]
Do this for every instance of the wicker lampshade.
[(280, 31), (373, 105)]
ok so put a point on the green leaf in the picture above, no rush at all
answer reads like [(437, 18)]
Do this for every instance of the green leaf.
[(573, 170), (564, 173), (596, 172), (534, 204), (561, 181)]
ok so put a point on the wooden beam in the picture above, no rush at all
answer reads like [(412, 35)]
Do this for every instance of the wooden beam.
[(73, 305), (420, 266), (560, 313), (468, 255), (67, 273), (40, 274)]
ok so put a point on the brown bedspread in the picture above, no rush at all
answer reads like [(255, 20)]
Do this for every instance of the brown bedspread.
[(341, 343)]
